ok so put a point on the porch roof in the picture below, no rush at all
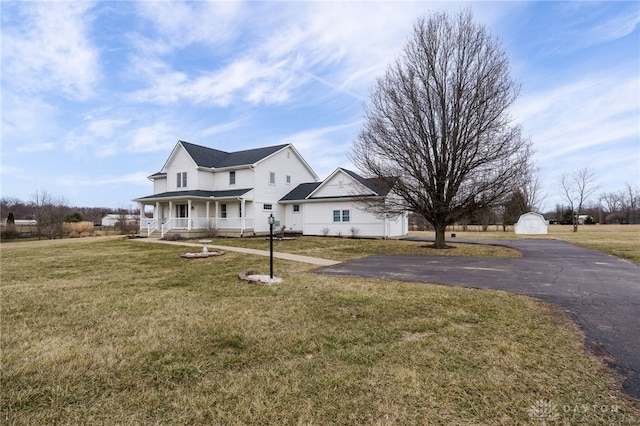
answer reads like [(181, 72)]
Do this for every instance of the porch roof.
[(175, 195)]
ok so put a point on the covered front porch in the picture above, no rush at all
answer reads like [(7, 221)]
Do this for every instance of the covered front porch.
[(196, 215)]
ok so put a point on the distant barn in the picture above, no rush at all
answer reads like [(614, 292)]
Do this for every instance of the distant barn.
[(114, 219)]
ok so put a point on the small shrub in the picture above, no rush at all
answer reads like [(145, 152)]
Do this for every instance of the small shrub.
[(9, 232), (325, 231), (173, 237), (354, 232)]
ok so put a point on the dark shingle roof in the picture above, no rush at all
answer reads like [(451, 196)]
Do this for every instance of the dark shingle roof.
[(198, 193), (301, 191), (214, 158), (378, 185)]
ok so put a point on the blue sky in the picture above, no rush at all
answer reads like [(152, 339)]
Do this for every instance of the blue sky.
[(95, 95)]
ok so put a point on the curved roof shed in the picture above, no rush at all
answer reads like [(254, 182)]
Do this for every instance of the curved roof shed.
[(531, 223)]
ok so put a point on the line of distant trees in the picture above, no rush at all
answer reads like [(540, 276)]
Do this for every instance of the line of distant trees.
[(50, 214)]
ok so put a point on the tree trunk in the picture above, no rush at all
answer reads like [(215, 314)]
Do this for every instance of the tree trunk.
[(440, 243)]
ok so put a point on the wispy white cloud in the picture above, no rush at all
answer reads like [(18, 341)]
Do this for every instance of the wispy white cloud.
[(46, 47), (319, 148), (137, 178), (150, 138), (592, 111), (222, 128), (285, 49), (36, 147)]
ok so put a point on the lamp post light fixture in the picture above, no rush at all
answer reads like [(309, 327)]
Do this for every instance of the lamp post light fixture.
[(272, 220)]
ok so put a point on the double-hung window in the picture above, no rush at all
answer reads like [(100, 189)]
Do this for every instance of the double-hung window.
[(272, 178), (232, 177), (341, 216), (181, 180)]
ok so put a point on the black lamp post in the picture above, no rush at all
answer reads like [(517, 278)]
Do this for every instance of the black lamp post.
[(271, 222)]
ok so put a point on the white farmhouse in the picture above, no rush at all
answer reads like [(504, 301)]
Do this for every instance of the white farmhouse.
[(201, 189)]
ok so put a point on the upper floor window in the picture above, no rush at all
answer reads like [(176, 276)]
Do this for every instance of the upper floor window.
[(272, 178), (232, 177), (296, 207), (288, 179), (181, 180)]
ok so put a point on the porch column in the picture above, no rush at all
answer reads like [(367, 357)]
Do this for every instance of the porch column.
[(189, 215), (170, 211), (207, 215), (156, 211), (217, 215), (141, 222), (243, 213)]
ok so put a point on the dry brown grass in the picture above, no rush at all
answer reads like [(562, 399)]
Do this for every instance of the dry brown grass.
[(118, 332), (347, 248), (618, 240)]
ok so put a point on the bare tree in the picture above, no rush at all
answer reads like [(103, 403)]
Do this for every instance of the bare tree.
[(576, 189), (49, 213), (630, 198), (531, 189), (437, 125)]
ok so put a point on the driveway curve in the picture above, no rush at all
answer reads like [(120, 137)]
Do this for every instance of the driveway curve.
[(601, 293)]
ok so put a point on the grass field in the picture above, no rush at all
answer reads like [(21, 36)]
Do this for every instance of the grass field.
[(619, 240), (120, 332)]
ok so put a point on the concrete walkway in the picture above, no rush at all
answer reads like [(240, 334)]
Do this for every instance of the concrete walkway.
[(601, 293), (285, 256)]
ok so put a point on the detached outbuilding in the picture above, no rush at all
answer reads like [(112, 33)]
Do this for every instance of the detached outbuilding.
[(531, 223)]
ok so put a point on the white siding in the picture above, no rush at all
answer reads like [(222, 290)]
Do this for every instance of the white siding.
[(205, 180), (340, 185), (159, 185), (181, 162), (244, 179), (319, 216), (284, 163)]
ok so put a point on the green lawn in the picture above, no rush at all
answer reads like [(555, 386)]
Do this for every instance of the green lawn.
[(121, 332)]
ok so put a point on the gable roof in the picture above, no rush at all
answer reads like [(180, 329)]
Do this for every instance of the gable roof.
[(304, 191), (379, 186), (301, 191), (214, 158)]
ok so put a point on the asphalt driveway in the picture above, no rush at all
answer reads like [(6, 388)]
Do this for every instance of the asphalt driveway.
[(601, 293)]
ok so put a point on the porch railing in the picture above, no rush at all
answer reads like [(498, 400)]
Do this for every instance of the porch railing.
[(183, 223), (151, 225)]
